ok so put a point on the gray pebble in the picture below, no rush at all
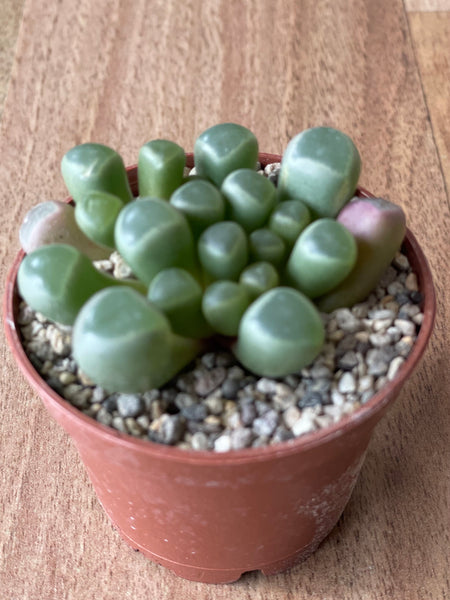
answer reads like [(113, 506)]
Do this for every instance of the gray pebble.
[(214, 404), (208, 381), (119, 424), (194, 412), (104, 417), (347, 320), (377, 362), (241, 438), (266, 424), (130, 405), (230, 388), (171, 429), (281, 434), (248, 411), (348, 361)]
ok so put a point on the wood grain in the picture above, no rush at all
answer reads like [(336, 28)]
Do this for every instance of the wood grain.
[(427, 5), (10, 17), (104, 72), (431, 36)]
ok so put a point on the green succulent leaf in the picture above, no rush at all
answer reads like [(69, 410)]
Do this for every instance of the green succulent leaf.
[(258, 278), (179, 296), (152, 235), (250, 198), (160, 168), (323, 255), (125, 344), (265, 245), (378, 227), (222, 149), (201, 203), (57, 280), (90, 167), (288, 220), (320, 167), (223, 251), (280, 333), (224, 303), (96, 216)]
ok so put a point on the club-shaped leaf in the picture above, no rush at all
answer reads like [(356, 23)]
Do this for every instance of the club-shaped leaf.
[(266, 245), (89, 167), (201, 203), (222, 149), (258, 278), (152, 235), (320, 167), (379, 227), (224, 303), (323, 255), (289, 219), (280, 333), (125, 344), (58, 279), (250, 198), (160, 168), (223, 251), (96, 216), (179, 296)]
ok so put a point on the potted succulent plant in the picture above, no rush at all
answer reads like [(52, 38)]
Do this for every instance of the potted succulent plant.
[(221, 257)]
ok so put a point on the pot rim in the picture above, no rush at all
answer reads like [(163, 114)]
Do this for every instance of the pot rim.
[(370, 409)]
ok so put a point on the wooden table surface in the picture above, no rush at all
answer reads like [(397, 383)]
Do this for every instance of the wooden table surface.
[(123, 72)]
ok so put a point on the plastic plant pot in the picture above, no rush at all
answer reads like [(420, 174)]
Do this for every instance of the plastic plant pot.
[(212, 516)]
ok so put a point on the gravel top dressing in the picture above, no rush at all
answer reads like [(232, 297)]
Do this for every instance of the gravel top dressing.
[(217, 405)]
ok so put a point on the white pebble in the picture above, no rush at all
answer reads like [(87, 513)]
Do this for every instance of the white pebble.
[(346, 320), (380, 339), (406, 327), (304, 425), (347, 383), (223, 443), (365, 383), (290, 416), (394, 367)]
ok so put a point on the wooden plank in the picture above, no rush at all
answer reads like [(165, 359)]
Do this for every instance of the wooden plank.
[(427, 5), (10, 17), (103, 72), (431, 37)]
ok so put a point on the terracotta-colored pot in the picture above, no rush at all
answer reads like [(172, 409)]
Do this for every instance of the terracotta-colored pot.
[(212, 516)]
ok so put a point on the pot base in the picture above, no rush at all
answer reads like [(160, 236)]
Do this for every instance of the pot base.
[(218, 576)]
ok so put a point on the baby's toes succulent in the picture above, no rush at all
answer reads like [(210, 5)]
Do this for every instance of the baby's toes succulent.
[(222, 149), (259, 277), (322, 257), (179, 296), (201, 203), (224, 303), (89, 167), (321, 168), (280, 333), (160, 168)]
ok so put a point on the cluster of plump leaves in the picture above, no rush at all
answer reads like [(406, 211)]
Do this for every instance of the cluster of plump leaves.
[(221, 253)]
